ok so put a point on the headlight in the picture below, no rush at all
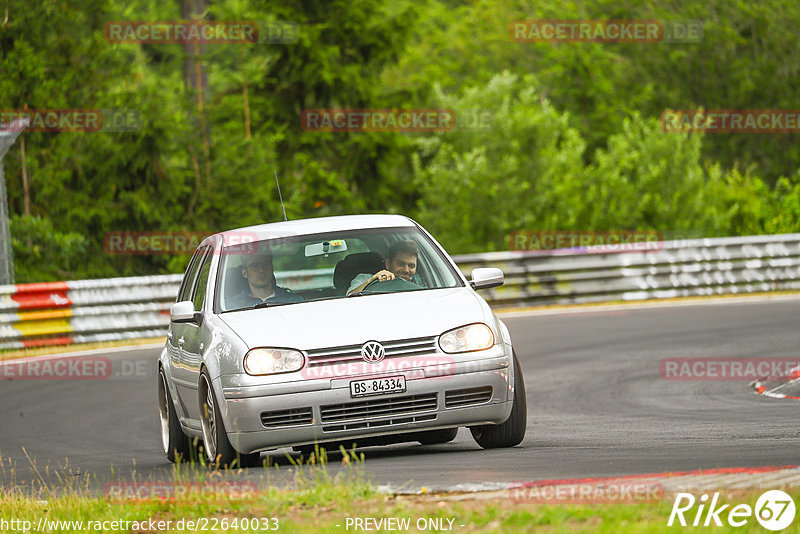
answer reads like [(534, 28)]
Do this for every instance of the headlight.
[(476, 336), (272, 361)]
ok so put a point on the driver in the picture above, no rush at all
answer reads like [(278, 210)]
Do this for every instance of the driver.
[(258, 271), (401, 262)]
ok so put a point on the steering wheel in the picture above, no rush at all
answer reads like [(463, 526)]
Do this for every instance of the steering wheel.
[(397, 284)]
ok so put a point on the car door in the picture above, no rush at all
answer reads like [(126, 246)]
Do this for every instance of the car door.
[(175, 332), (195, 338), (177, 339)]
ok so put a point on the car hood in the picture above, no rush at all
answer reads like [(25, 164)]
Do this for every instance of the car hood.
[(355, 320)]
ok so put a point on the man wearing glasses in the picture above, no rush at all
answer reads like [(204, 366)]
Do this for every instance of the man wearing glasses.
[(258, 271)]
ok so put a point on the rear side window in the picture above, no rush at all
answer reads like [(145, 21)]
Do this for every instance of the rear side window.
[(202, 283), (187, 285)]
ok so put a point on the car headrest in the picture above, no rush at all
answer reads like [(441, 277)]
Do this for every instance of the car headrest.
[(354, 264), (235, 283)]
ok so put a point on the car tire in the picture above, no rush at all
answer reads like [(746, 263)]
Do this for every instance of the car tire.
[(218, 449), (437, 437), (512, 431), (177, 446)]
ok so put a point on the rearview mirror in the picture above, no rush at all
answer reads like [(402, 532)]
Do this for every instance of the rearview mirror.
[(326, 247), (486, 277)]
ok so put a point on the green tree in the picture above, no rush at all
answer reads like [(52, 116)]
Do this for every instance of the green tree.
[(520, 169)]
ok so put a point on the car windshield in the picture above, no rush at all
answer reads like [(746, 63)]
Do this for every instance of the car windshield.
[(289, 270)]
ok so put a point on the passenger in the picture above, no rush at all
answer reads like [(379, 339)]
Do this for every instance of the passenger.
[(258, 271), (401, 262)]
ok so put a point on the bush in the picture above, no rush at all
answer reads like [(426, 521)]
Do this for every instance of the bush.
[(41, 253), (518, 170)]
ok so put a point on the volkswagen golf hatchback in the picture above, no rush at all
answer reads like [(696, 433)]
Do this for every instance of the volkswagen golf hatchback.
[(353, 330)]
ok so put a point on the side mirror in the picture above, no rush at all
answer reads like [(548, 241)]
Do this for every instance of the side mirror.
[(486, 277), (182, 312)]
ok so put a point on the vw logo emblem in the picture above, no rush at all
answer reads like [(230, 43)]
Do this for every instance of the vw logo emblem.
[(372, 352)]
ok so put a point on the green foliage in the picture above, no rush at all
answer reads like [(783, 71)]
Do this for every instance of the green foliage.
[(514, 170), (41, 252), (785, 217), (645, 179), (525, 172), (741, 62), (650, 179)]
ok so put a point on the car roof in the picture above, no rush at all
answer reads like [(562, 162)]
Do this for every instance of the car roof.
[(317, 225)]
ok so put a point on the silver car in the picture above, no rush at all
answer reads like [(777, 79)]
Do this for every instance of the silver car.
[(354, 330)]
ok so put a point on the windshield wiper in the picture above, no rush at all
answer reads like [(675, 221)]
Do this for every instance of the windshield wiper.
[(270, 304), (366, 292)]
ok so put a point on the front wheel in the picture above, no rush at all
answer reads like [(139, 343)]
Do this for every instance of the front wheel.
[(176, 445), (219, 451), (512, 431)]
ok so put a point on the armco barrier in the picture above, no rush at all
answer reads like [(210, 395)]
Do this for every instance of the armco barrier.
[(675, 269), (83, 311)]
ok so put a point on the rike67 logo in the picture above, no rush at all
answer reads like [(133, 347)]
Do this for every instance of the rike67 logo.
[(774, 510)]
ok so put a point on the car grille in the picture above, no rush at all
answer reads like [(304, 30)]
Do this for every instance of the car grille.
[(467, 397), (379, 412), (352, 353), (293, 417), (380, 422)]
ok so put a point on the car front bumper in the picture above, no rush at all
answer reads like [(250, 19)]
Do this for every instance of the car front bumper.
[(471, 392)]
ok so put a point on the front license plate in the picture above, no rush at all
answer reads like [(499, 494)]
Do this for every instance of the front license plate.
[(377, 386)]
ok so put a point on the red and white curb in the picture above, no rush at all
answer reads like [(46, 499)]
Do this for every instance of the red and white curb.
[(721, 479), (779, 391)]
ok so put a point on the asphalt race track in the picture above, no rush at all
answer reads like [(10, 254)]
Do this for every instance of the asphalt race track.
[(597, 406)]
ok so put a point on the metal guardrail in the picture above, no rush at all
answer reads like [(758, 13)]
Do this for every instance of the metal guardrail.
[(83, 311), (62, 313), (676, 269)]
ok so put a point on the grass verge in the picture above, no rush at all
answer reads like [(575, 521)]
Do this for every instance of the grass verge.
[(321, 503)]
